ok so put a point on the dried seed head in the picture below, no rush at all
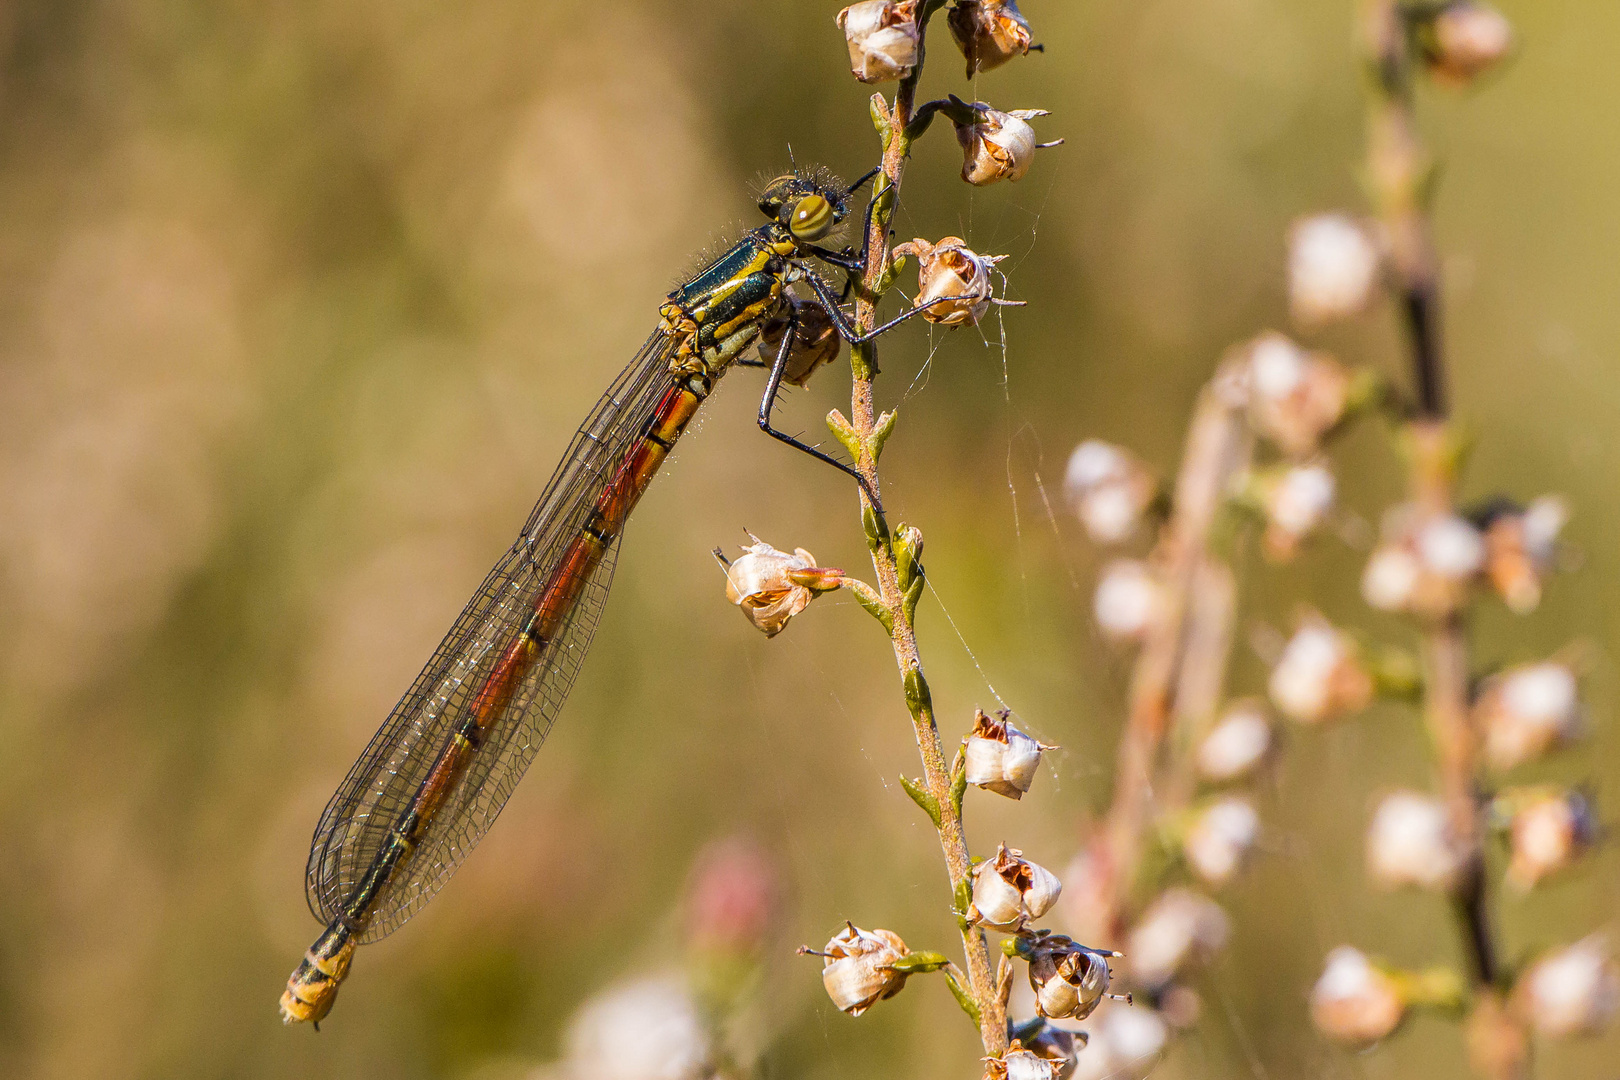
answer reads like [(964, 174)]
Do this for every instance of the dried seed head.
[(815, 342), (1410, 842), (1129, 600), (1021, 1064), (1548, 829), (772, 586), (1320, 675), (989, 32), (1572, 991), (1178, 931), (952, 279), (997, 145), (883, 39), (1353, 1001), (650, 1029), (1296, 500), (858, 968), (1220, 839), (1332, 268), (1009, 891), (1521, 548), (1069, 980), (1295, 397), (1527, 711), (1466, 40), (1000, 758), (1109, 488), (1123, 1044), (1236, 745)]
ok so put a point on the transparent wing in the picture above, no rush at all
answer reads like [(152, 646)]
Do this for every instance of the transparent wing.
[(381, 785)]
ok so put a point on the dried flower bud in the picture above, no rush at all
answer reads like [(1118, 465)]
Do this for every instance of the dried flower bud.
[(1332, 268), (815, 342), (1465, 40), (997, 145), (883, 39), (1354, 1001), (1220, 839), (1009, 891), (1069, 980), (1237, 744), (858, 968), (1521, 547), (1123, 1044), (1572, 991), (772, 586), (1178, 930), (1295, 499), (1296, 397), (1021, 1064), (1320, 675), (1109, 488), (650, 1029), (1410, 842), (1548, 829), (1000, 758), (952, 271), (1528, 710), (989, 32), (1129, 600)]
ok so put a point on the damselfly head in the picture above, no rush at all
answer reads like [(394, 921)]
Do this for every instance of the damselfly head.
[(808, 204)]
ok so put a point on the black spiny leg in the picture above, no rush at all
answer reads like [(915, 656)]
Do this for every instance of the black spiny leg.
[(767, 405), (846, 329)]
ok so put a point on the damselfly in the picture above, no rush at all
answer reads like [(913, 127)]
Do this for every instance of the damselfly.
[(436, 774)]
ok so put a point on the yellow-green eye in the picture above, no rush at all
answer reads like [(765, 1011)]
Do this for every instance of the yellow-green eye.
[(812, 218)]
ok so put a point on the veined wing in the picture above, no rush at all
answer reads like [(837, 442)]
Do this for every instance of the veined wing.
[(382, 785)]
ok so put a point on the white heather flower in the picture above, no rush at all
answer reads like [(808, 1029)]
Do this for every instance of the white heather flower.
[(857, 969), (1220, 839), (883, 39), (1238, 743), (1450, 547), (1547, 831), (1332, 268), (1178, 930), (1424, 563), (1124, 1043), (1573, 991), (1296, 501), (1319, 675), (997, 145), (1390, 581), (1128, 600), (1109, 489), (1353, 1001), (1410, 842), (1009, 891), (772, 586), (1526, 711), (650, 1029), (1069, 980), (952, 280), (1468, 39), (989, 32), (1000, 758), (1296, 397)]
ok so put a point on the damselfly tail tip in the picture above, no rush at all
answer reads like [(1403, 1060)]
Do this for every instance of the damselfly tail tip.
[(313, 986)]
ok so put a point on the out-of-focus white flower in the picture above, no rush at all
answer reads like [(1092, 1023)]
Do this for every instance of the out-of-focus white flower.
[(1424, 563), (772, 586), (650, 1029), (1391, 578), (1219, 839), (1295, 499), (883, 39), (1572, 991), (1320, 675), (1129, 600), (1237, 744), (1528, 710), (1109, 488), (1548, 829), (1087, 892), (1295, 397), (1069, 980), (989, 32), (1177, 931), (1009, 891), (952, 280), (1124, 1044), (1410, 842), (997, 145), (1000, 758), (858, 968), (1466, 40), (1332, 268), (1353, 1001), (1451, 547), (1521, 548)]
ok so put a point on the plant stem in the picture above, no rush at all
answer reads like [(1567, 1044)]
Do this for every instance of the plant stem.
[(864, 419)]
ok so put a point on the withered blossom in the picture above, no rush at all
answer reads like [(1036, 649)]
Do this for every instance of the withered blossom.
[(1018, 1063), (1000, 758), (989, 32), (771, 586), (1295, 397), (883, 39), (1009, 891), (858, 967), (997, 145), (1069, 980), (953, 280)]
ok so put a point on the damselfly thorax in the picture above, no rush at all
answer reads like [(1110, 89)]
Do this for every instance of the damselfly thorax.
[(437, 773)]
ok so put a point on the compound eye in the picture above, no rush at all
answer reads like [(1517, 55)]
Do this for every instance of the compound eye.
[(812, 218)]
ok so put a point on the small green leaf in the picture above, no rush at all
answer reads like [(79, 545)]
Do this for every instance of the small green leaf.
[(869, 599), (918, 697), (877, 529), (920, 796), (963, 897), (958, 782), (963, 998), (920, 963), (881, 433), (844, 431)]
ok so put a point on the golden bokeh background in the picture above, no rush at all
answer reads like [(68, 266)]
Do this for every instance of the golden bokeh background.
[(300, 302)]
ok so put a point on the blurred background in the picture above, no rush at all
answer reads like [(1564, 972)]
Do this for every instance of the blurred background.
[(300, 303)]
